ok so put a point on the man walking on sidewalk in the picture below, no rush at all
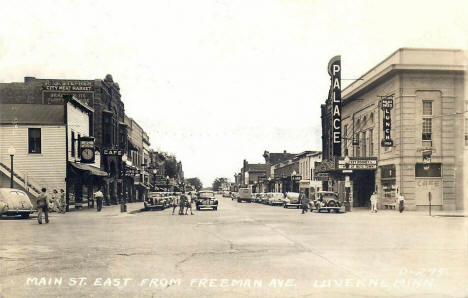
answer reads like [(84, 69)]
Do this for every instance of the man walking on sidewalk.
[(98, 196), (401, 201), (42, 207), (373, 200)]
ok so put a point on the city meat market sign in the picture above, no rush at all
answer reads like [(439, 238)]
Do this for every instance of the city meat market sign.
[(387, 105), (334, 70), (53, 91), (356, 163)]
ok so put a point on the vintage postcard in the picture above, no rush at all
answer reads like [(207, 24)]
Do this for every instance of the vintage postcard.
[(216, 148)]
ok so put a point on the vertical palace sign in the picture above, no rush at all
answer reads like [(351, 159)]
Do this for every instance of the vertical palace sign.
[(334, 70)]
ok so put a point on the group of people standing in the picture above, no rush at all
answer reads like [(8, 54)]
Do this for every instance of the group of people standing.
[(400, 200), (183, 202), (54, 203)]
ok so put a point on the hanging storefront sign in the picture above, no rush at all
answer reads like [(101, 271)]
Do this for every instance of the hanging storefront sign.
[(358, 163), (334, 70), (387, 106), (86, 147), (116, 152), (296, 178)]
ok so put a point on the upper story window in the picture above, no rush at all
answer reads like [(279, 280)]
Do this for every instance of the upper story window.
[(427, 129), (34, 140), (427, 108)]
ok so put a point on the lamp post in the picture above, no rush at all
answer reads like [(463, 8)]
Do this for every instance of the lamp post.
[(167, 183), (347, 182), (12, 152), (154, 179), (123, 202)]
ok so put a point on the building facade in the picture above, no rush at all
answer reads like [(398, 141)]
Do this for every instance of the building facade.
[(403, 128)]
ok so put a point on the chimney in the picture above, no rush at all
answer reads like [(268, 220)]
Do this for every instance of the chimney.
[(29, 79), (284, 152)]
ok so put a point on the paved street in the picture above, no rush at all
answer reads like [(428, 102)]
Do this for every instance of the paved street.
[(240, 250)]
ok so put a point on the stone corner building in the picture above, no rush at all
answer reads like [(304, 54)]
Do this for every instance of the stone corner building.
[(429, 116)]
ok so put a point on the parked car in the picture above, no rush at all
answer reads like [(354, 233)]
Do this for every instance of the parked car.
[(206, 199), (327, 200), (244, 195), (156, 200), (226, 194), (15, 202), (275, 198), (292, 200)]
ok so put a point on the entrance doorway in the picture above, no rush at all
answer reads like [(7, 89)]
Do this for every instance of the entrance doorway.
[(363, 187)]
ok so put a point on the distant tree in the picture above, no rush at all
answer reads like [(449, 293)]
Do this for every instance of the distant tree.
[(195, 182), (170, 167), (218, 182)]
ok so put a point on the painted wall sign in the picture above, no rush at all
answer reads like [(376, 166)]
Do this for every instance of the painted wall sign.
[(334, 70), (357, 163), (387, 106)]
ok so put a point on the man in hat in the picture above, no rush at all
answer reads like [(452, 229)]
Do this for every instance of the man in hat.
[(42, 202)]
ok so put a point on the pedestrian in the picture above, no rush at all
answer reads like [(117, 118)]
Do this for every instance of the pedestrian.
[(182, 202), (62, 204), (98, 196), (189, 204), (373, 200), (304, 202), (175, 203), (401, 201), (42, 203), (53, 201)]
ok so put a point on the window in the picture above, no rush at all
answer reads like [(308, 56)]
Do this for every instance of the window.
[(371, 142), (345, 139), (466, 131), (79, 146), (371, 119), (72, 153), (428, 170), (106, 130), (356, 150), (427, 129), (34, 140), (364, 145), (427, 108)]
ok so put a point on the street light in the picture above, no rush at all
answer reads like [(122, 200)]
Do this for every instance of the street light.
[(12, 152), (154, 179), (123, 202), (167, 183)]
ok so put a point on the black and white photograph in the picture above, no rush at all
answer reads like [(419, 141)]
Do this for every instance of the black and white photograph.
[(233, 148)]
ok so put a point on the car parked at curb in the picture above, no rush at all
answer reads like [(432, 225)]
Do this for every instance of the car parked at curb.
[(156, 200), (292, 199), (329, 201), (245, 195), (275, 198), (15, 202)]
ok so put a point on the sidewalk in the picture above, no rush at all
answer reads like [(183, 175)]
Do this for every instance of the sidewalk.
[(445, 213)]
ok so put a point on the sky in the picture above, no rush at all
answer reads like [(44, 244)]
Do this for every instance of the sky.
[(217, 82)]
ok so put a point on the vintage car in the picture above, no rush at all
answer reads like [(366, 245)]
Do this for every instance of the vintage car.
[(156, 200), (292, 199), (274, 198), (15, 202), (226, 194), (206, 199), (245, 195), (327, 200)]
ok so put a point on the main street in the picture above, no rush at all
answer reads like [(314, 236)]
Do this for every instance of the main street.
[(240, 250)]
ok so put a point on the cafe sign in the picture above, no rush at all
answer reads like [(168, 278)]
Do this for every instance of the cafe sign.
[(112, 152)]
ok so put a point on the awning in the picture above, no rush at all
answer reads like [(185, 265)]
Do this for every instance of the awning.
[(141, 184), (88, 169)]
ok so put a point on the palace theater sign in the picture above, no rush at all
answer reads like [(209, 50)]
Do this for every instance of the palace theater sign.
[(334, 70)]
